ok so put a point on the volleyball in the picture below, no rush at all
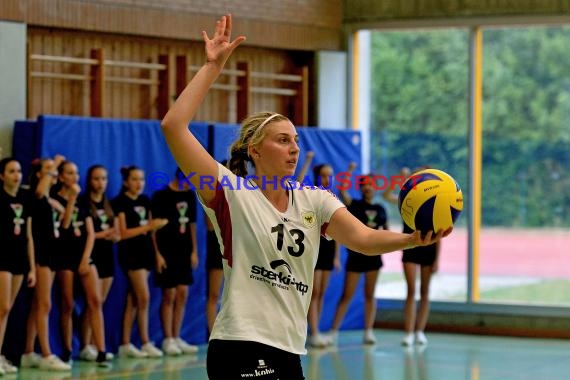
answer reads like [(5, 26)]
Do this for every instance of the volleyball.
[(430, 200)]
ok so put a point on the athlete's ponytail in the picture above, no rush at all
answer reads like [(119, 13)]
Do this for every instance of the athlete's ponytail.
[(251, 133)]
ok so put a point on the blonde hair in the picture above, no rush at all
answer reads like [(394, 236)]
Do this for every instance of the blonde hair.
[(252, 132)]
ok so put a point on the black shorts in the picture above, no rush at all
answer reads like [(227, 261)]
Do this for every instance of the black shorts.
[(178, 271), (105, 263), (43, 257), (213, 256), (137, 260), (325, 260), (238, 360), (14, 262), (66, 260), (424, 256), (358, 262)]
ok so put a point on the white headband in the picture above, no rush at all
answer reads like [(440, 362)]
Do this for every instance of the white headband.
[(258, 129), (266, 121)]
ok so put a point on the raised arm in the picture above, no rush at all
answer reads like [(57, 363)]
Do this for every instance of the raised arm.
[(305, 168), (389, 194), (45, 182), (353, 234), (70, 207), (344, 194), (188, 153)]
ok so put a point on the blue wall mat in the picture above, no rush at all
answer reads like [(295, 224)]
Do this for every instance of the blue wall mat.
[(25, 144)]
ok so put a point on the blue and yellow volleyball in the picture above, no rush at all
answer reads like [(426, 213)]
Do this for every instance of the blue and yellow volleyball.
[(430, 200)]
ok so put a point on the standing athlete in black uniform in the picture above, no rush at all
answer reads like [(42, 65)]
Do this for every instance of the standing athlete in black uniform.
[(17, 257), (176, 256), (106, 227), (374, 216), (426, 257), (136, 258), (46, 218), (75, 245)]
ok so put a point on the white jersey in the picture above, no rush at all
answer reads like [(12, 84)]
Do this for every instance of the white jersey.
[(269, 259)]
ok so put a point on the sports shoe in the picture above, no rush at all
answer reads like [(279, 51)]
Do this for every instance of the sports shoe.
[(6, 366), (170, 348), (88, 353), (319, 341), (30, 360), (369, 337), (2, 372), (102, 360), (408, 340), (130, 351), (151, 350), (53, 363), (332, 338), (185, 347), (421, 338)]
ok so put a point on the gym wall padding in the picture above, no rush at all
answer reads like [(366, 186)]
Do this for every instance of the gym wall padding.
[(115, 143), (25, 144)]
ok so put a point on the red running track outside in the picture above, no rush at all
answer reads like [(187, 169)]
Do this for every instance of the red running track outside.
[(503, 252)]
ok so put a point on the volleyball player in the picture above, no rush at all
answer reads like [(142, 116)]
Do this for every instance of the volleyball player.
[(17, 257), (136, 258), (176, 250), (374, 216), (106, 227), (269, 229), (47, 214)]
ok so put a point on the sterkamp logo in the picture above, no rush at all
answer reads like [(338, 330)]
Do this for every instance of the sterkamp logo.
[(278, 279), (276, 263)]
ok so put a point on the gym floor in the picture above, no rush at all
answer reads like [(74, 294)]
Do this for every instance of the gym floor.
[(447, 356)]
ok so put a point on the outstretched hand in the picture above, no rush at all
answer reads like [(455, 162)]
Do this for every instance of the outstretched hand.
[(220, 46), (429, 238)]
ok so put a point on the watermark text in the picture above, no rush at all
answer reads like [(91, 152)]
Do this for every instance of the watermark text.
[(342, 181)]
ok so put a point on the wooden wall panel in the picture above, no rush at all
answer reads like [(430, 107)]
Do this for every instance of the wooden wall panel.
[(307, 24), (69, 97), (12, 10)]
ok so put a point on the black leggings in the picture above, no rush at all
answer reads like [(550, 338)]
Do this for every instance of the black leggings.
[(238, 360)]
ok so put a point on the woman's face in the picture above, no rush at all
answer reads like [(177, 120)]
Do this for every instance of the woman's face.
[(69, 175), (12, 175), (367, 191), (98, 181), (48, 167), (278, 153), (135, 182)]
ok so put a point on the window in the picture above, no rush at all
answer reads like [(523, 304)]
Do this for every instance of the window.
[(419, 116), (525, 245), (419, 106)]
